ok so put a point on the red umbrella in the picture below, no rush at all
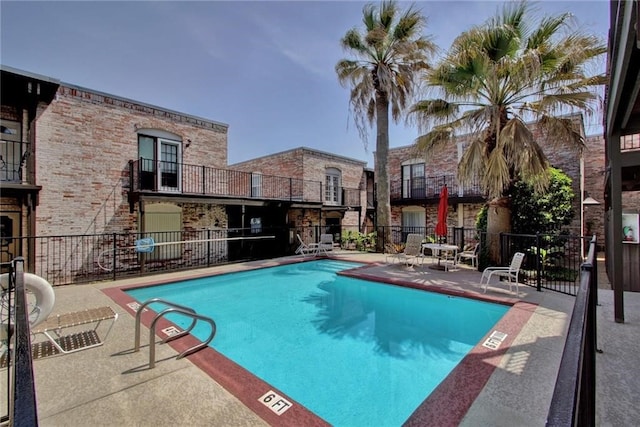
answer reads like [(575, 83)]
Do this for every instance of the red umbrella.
[(443, 207)]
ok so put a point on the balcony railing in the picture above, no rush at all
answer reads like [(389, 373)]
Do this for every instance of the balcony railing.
[(13, 156), (430, 187), (170, 177)]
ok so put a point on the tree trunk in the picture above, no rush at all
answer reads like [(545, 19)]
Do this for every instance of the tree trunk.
[(383, 209), (498, 221)]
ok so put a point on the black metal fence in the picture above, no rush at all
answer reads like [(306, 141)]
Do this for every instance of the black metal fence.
[(93, 257), (574, 397), (151, 175), (429, 187), (551, 261), (15, 350)]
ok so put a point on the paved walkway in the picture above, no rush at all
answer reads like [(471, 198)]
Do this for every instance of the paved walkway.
[(110, 385)]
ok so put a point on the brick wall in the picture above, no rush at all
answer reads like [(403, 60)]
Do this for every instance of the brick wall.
[(84, 143), (444, 161), (311, 165), (594, 171)]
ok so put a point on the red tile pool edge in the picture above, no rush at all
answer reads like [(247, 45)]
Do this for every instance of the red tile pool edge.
[(446, 406)]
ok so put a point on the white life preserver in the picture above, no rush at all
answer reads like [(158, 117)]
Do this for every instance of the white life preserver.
[(41, 290)]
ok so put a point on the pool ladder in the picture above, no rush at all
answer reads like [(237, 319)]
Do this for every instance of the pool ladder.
[(172, 308)]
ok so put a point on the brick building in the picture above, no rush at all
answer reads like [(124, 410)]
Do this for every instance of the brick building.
[(416, 182), (344, 185), (81, 162)]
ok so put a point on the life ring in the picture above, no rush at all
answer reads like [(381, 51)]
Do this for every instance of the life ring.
[(41, 290)]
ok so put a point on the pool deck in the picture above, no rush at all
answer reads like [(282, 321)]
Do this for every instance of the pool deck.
[(112, 385)]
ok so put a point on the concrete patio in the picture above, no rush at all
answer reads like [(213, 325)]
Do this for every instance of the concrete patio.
[(111, 385)]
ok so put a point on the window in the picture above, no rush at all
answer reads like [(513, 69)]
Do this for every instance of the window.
[(159, 157), (332, 188), (413, 220), (413, 181), (256, 184)]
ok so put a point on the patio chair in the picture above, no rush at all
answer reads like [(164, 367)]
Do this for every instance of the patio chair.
[(510, 273), (412, 250), (74, 339), (391, 253), (471, 254), (304, 248), (325, 244)]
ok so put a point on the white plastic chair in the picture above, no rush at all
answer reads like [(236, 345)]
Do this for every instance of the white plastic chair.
[(326, 244), (471, 254), (412, 250), (391, 253), (305, 248), (511, 273)]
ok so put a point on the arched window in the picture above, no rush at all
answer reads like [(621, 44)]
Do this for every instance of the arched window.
[(333, 189)]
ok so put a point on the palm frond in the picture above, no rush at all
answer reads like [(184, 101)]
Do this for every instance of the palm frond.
[(497, 177), (497, 74)]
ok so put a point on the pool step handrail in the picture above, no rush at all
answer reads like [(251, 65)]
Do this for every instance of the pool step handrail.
[(190, 313), (136, 344), (173, 308)]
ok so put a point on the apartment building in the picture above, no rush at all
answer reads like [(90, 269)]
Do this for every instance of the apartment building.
[(80, 162), (337, 192), (416, 182)]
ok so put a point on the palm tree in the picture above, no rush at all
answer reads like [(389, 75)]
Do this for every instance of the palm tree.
[(390, 55), (494, 79)]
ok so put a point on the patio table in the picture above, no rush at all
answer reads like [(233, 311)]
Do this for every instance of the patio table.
[(436, 249)]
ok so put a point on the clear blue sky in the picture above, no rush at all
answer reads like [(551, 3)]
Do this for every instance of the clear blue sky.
[(265, 68)]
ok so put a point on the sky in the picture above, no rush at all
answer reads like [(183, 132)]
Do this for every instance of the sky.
[(265, 68)]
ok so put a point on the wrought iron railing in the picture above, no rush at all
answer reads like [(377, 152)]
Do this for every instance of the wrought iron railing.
[(552, 261), (574, 397), (13, 156), (429, 188), (171, 177), (19, 388)]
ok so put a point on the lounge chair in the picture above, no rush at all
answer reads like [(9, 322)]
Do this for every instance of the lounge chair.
[(511, 273), (412, 250), (305, 248), (76, 339), (325, 244), (471, 254), (391, 253)]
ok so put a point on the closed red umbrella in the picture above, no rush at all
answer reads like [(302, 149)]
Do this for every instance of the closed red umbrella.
[(443, 207)]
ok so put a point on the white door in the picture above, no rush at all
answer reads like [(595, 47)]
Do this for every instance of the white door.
[(332, 190)]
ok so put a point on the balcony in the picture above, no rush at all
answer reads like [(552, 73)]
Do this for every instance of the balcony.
[(13, 156), (427, 190), (170, 178)]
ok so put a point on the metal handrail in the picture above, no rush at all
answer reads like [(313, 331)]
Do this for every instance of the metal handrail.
[(24, 411), (195, 316), (173, 308), (573, 401), (136, 344)]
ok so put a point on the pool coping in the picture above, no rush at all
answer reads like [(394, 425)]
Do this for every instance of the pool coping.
[(445, 406)]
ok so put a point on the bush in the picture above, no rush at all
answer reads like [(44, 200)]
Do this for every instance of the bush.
[(548, 212)]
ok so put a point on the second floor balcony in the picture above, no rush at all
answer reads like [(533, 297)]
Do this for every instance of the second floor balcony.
[(427, 189), (150, 176), (13, 156)]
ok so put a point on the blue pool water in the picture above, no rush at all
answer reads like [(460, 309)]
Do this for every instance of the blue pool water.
[(354, 352)]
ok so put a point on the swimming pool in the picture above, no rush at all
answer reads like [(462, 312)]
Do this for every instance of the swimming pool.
[(354, 352)]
